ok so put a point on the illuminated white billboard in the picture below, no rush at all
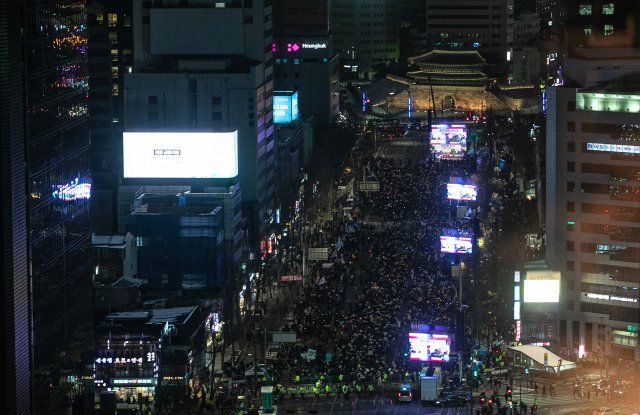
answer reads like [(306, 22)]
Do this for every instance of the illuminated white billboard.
[(180, 155), (456, 244), (449, 141), (426, 347), (542, 287), (465, 192)]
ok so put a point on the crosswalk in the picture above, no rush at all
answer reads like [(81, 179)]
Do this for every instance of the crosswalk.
[(567, 404)]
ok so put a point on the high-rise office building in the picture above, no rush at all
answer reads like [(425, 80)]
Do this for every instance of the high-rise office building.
[(602, 24), (411, 15), (305, 62), (46, 178), (304, 57), (365, 34), (553, 15), (301, 15), (59, 182), (483, 25), (592, 214), (15, 347), (184, 81), (110, 43)]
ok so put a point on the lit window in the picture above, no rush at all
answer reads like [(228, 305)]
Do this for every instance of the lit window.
[(114, 71), (607, 8), (99, 18), (585, 9), (587, 31), (115, 90), (608, 29), (113, 19)]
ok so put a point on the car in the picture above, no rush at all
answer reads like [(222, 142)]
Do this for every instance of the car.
[(451, 399), (405, 395)]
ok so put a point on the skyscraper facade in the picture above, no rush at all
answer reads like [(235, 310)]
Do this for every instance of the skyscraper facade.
[(15, 347), (59, 183), (365, 33), (110, 42), (592, 214), (483, 25)]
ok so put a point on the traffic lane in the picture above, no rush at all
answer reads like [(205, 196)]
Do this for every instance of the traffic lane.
[(377, 404), (404, 149)]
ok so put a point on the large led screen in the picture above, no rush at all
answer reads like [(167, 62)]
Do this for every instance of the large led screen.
[(285, 107), (541, 291), (426, 347), (449, 141), (181, 155), (542, 286), (456, 244), (461, 192)]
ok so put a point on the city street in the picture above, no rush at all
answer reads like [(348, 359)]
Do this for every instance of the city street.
[(563, 404)]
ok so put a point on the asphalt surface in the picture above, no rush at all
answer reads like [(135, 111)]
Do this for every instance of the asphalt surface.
[(403, 148), (377, 404), (387, 404)]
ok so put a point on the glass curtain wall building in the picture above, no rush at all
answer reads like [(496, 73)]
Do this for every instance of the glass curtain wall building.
[(14, 286), (59, 183)]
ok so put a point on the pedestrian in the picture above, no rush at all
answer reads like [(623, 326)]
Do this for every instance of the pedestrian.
[(535, 388)]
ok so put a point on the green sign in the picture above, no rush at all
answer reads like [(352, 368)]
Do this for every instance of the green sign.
[(633, 329)]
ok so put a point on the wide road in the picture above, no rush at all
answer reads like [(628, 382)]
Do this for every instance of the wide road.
[(371, 405), (385, 403), (378, 404), (403, 148)]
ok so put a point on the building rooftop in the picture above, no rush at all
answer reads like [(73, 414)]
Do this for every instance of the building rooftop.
[(449, 58), (159, 316), (128, 282), (177, 315), (628, 84), (108, 240), (172, 204)]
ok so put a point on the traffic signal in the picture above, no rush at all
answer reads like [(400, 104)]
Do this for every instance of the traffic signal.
[(526, 370)]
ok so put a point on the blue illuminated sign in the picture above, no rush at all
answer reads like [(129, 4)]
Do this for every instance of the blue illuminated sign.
[(294, 106), (285, 107)]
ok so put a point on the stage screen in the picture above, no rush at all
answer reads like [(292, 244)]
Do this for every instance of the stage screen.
[(426, 347), (461, 192), (449, 142), (456, 244), (182, 155)]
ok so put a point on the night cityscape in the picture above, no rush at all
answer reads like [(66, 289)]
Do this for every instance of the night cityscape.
[(243, 207)]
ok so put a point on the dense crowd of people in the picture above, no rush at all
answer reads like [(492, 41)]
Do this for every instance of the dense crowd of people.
[(385, 272)]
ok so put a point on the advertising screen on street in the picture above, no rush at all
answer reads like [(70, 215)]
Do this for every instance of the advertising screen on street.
[(456, 244), (542, 287), (285, 107), (181, 155), (427, 347), (464, 192), (449, 142)]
